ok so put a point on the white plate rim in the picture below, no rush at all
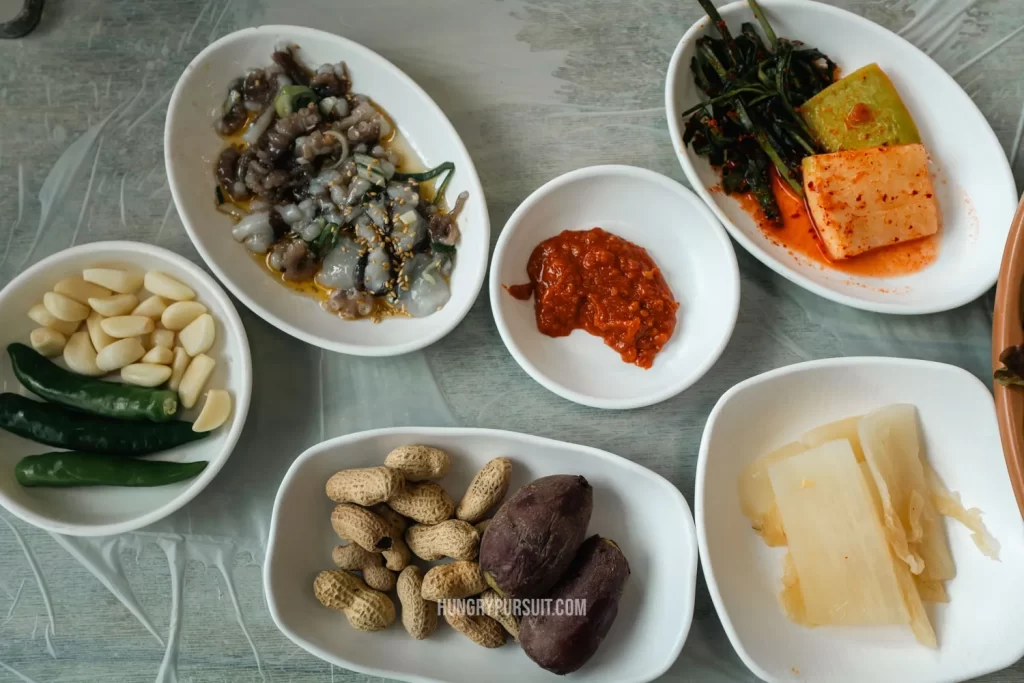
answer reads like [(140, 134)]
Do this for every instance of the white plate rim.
[(324, 448), (472, 179), (240, 409), (495, 288), (752, 246), (699, 489)]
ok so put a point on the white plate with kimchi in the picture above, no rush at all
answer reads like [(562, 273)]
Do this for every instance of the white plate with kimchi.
[(864, 528), (894, 194), (327, 190)]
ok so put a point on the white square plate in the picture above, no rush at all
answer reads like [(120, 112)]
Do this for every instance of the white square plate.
[(633, 506), (978, 630)]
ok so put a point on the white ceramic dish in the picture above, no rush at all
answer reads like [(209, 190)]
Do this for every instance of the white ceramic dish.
[(974, 184), (633, 506), (685, 241), (192, 147), (101, 511), (977, 630)]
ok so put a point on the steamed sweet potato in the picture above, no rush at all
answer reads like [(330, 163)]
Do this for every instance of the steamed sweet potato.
[(562, 643), (534, 536)]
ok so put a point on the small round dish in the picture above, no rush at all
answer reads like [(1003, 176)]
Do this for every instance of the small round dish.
[(106, 510), (1008, 330), (973, 181), (191, 148), (685, 241)]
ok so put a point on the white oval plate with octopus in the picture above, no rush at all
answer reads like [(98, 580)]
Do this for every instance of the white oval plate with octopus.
[(192, 147)]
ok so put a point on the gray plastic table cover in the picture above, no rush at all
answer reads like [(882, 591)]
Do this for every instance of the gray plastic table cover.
[(535, 88)]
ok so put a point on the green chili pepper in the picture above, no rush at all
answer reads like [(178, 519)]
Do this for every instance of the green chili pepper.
[(60, 427), (68, 468), (108, 399)]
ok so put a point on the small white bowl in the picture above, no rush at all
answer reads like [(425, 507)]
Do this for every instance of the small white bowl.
[(191, 148), (978, 630), (639, 510), (682, 237), (105, 510), (974, 185)]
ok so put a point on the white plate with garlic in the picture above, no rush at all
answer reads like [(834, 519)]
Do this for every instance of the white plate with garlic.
[(137, 314)]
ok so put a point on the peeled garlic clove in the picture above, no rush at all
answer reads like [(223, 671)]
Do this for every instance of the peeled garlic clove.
[(77, 288), (199, 336), (178, 367), (100, 339), (80, 356), (153, 307), (112, 306), (161, 355), (166, 286), (145, 374), (48, 342), (120, 281), (164, 338), (119, 354), (194, 379), (215, 411), (65, 308), (123, 326), (179, 314), (41, 316)]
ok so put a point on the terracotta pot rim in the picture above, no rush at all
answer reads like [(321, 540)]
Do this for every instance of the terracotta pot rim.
[(1008, 330)]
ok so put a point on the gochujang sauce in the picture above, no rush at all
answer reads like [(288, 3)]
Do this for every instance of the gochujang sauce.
[(601, 283)]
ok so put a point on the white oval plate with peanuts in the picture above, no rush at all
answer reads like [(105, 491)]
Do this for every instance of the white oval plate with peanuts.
[(642, 512), (108, 510)]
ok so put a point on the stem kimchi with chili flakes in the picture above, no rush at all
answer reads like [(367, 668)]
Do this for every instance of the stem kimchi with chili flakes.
[(749, 123), (318, 186)]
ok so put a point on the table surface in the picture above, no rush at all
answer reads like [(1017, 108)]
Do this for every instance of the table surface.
[(535, 88)]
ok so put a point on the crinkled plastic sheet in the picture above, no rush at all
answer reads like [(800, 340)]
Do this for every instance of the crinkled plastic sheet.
[(529, 86)]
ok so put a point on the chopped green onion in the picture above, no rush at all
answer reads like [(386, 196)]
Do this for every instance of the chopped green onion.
[(293, 98), (443, 248), (424, 176), (370, 168), (326, 240), (427, 175)]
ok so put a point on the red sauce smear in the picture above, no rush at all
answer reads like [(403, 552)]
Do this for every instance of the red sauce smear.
[(800, 237), (596, 281)]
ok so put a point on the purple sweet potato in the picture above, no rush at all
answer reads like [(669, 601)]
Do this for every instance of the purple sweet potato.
[(534, 536), (562, 643)]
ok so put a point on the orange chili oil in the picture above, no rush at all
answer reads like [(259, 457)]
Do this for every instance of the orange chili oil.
[(601, 283), (799, 236)]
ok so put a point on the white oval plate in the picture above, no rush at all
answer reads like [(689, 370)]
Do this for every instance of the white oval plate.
[(633, 506), (191, 148), (978, 630), (105, 510), (973, 181), (685, 241)]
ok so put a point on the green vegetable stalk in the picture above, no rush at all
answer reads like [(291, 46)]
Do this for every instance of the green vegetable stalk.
[(748, 122)]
